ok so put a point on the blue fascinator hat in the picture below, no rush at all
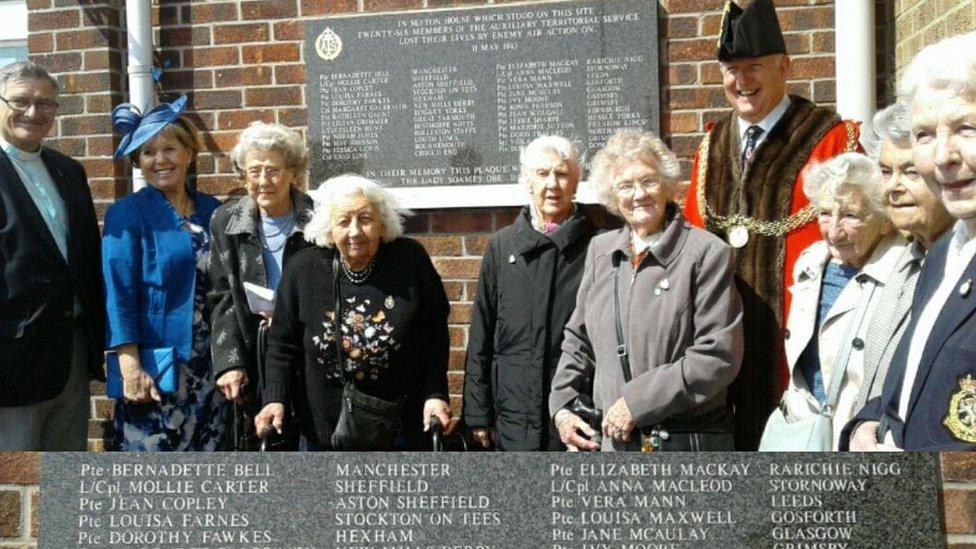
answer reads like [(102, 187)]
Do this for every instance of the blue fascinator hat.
[(137, 129)]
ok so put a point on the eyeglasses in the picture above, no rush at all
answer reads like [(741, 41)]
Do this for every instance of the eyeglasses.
[(43, 106), (270, 172), (628, 188)]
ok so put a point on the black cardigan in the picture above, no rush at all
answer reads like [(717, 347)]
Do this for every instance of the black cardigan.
[(401, 335)]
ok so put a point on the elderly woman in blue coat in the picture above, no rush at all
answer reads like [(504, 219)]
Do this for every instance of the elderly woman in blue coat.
[(154, 251)]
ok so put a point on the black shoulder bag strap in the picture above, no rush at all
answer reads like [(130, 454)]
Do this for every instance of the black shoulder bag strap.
[(650, 439), (337, 316), (618, 325)]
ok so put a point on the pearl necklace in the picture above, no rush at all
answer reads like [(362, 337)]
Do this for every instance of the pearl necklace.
[(357, 277)]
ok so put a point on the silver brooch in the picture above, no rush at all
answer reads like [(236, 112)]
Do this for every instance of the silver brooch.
[(662, 286), (389, 303), (964, 289)]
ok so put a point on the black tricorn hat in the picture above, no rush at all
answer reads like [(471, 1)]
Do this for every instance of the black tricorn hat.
[(750, 32)]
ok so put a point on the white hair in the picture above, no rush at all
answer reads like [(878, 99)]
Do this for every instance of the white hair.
[(949, 64), (889, 124), (319, 229), (564, 148), (627, 146), (844, 173), (272, 137)]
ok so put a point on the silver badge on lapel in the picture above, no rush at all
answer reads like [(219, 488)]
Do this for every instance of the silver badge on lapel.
[(511, 258), (389, 303), (662, 286), (965, 287)]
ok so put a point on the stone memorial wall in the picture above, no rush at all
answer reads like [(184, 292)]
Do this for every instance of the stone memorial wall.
[(560, 501), (447, 98)]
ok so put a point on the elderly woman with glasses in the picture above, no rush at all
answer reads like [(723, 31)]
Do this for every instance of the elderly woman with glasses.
[(928, 401), (657, 329), (361, 318), (837, 285), (252, 239)]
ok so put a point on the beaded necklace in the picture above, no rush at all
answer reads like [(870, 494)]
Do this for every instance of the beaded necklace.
[(357, 277)]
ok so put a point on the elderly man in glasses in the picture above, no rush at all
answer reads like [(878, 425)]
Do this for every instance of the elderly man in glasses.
[(51, 299)]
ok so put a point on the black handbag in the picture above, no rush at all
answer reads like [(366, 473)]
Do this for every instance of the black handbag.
[(583, 407), (365, 422)]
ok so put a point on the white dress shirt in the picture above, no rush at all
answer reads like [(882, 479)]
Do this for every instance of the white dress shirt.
[(766, 124), (962, 248)]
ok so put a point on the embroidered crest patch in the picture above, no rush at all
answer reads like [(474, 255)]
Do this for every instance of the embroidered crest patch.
[(961, 416)]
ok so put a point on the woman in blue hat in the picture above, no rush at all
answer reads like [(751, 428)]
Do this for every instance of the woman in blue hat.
[(155, 251)]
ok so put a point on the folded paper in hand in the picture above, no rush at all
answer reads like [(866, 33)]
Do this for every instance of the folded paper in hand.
[(259, 299)]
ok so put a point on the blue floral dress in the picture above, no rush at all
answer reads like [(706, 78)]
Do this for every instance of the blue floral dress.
[(192, 419)]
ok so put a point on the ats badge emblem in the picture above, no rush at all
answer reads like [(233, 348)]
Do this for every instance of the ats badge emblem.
[(961, 418), (328, 45)]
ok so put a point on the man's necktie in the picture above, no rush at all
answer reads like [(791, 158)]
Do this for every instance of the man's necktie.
[(752, 136)]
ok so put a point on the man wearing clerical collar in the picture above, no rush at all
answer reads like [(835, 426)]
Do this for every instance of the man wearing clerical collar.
[(737, 192), (52, 317)]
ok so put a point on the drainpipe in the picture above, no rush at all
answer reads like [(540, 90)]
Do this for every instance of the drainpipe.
[(855, 53), (141, 87)]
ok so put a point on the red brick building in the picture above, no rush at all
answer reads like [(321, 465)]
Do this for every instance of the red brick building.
[(244, 60)]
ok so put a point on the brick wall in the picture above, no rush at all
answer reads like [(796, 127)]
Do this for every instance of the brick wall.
[(19, 500), (919, 23), (243, 60), (83, 43), (19, 507)]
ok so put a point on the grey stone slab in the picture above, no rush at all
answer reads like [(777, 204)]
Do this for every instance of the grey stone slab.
[(447, 97), (490, 500)]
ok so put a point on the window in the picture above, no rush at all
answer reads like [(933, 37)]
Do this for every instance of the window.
[(13, 33)]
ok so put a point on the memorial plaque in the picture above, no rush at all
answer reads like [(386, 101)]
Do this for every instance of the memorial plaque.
[(437, 104), (501, 500)]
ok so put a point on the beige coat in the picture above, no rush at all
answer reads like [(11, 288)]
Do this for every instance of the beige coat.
[(808, 276)]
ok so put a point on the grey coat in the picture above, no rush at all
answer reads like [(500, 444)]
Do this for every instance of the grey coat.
[(682, 321), (235, 258), (884, 333)]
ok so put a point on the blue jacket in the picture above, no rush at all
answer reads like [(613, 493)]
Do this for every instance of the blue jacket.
[(941, 403), (150, 271)]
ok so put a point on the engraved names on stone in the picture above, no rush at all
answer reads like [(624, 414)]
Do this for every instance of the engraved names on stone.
[(606, 112), (815, 503), (604, 501), (642, 504), (151, 504), (357, 106), (395, 503), (443, 113)]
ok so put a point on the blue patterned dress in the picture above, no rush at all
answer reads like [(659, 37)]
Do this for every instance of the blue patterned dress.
[(192, 419)]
